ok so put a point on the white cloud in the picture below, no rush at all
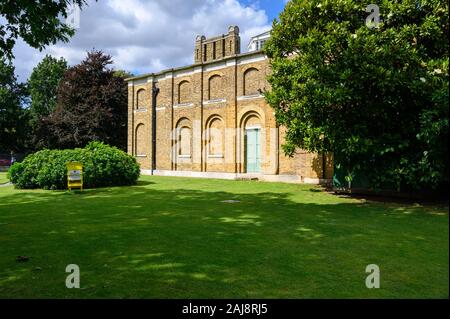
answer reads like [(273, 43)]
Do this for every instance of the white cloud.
[(147, 36)]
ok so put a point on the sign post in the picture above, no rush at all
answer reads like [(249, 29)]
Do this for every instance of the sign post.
[(75, 175)]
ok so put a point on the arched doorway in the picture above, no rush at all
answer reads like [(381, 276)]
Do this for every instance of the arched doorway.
[(253, 150), (252, 144)]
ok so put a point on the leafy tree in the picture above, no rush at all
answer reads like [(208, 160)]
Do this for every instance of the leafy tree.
[(36, 22), (123, 74), (375, 96), (43, 85), (14, 117), (91, 106)]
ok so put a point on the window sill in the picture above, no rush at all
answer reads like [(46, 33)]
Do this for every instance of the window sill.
[(215, 156), (184, 156), (215, 101), (183, 105), (249, 97)]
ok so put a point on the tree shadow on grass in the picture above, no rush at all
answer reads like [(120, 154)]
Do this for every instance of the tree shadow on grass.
[(147, 241)]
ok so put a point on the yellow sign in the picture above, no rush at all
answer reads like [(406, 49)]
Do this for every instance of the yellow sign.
[(75, 175)]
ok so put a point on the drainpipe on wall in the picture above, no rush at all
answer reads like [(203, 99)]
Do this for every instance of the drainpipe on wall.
[(155, 92)]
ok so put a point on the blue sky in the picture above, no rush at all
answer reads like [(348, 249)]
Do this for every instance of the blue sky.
[(271, 7), (145, 36)]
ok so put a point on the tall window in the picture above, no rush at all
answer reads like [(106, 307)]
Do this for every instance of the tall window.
[(223, 47), (184, 92), (185, 141), (215, 87), (204, 52), (140, 97), (252, 82), (141, 141), (215, 138)]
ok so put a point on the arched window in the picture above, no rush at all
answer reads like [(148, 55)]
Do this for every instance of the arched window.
[(185, 141), (184, 92), (215, 137), (252, 82), (140, 98), (215, 87), (141, 141)]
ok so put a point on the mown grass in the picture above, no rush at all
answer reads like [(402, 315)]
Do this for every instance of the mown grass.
[(3, 178), (176, 238)]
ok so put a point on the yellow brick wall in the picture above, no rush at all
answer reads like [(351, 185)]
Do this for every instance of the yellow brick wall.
[(223, 95)]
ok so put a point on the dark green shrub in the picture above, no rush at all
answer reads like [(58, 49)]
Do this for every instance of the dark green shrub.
[(103, 166)]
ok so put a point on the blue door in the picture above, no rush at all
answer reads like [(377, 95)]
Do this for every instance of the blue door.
[(253, 150)]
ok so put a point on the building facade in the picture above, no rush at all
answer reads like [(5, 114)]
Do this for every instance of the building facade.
[(210, 119), (257, 42)]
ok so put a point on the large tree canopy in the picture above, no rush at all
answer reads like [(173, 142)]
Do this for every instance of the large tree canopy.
[(376, 97), (38, 23), (91, 106), (43, 85), (13, 117)]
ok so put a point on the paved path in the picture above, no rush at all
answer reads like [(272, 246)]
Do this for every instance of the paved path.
[(4, 185)]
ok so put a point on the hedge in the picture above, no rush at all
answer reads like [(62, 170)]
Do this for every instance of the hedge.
[(103, 166)]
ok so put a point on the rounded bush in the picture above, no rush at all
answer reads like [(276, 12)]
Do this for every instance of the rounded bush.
[(103, 165)]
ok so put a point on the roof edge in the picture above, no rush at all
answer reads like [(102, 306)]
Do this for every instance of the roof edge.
[(153, 74)]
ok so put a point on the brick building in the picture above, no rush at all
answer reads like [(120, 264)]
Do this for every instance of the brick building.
[(209, 119)]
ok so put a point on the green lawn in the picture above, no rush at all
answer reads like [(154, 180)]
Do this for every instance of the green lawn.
[(175, 238), (3, 178)]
